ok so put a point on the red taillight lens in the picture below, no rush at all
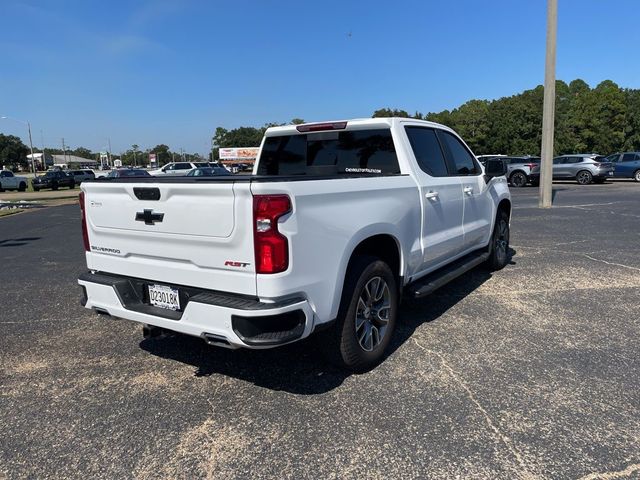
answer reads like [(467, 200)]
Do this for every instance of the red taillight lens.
[(271, 247), (85, 233), (319, 127), (596, 164), (531, 165)]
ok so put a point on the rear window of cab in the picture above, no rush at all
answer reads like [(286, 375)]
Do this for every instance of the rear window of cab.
[(330, 153)]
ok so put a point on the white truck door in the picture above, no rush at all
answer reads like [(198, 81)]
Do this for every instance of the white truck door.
[(478, 204), (441, 198)]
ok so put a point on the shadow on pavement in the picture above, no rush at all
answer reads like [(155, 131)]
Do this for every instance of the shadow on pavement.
[(17, 242), (300, 368)]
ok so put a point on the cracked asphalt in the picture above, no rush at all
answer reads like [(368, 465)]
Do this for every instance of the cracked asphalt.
[(531, 372)]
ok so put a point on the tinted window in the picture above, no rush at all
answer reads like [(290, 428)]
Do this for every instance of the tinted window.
[(629, 157), (612, 158), (557, 160), (182, 166), (330, 153), (574, 160), (461, 157), (427, 151)]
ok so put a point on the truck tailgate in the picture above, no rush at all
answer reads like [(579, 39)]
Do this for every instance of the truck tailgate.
[(192, 234)]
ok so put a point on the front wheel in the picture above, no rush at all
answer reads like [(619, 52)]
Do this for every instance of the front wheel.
[(366, 318), (636, 175), (499, 246), (584, 177), (518, 179), (54, 186)]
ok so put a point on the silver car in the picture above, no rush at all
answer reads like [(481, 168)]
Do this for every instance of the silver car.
[(584, 168)]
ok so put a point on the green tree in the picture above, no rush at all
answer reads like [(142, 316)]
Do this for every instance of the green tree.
[(13, 152), (163, 154), (82, 152)]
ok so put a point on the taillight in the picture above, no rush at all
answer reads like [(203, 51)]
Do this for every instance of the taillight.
[(271, 247), (531, 165), (85, 232), (596, 164)]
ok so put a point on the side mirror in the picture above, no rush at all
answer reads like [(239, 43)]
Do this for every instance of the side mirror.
[(495, 167)]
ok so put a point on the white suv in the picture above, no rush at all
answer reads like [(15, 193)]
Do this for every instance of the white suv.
[(177, 169)]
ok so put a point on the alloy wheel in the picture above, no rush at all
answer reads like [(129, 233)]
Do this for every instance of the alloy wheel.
[(372, 313), (584, 178), (501, 244)]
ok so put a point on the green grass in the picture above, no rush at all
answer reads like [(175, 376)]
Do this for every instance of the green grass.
[(5, 212)]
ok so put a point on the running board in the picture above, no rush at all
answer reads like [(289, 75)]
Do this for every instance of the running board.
[(437, 279)]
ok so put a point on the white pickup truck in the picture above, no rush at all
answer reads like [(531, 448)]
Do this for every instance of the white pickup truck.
[(337, 221), (9, 181)]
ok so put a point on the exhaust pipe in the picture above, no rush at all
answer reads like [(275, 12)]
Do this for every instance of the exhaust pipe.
[(217, 340)]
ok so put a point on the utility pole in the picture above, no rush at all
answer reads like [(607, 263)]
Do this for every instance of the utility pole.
[(44, 153), (110, 155), (548, 109), (64, 150), (28, 124)]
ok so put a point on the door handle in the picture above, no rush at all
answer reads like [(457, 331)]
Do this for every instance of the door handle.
[(468, 190), (431, 195)]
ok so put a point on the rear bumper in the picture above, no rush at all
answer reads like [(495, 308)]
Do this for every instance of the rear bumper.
[(223, 319)]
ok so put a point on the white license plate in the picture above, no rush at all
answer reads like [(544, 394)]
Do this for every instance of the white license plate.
[(164, 297)]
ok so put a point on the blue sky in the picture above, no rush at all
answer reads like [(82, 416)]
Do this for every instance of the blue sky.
[(171, 71)]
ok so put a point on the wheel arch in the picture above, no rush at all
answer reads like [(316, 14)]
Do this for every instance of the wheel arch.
[(383, 244)]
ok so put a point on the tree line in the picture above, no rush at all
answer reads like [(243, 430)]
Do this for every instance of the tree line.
[(604, 119)]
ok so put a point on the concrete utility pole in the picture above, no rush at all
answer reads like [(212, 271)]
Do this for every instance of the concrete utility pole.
[(548, 109)]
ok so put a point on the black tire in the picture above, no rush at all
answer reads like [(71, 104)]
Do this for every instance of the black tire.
[(22, 187), (518, 179), (584, 177), (499, 246), (359, 325), (636, 175), (54, 186), (72, 185), (1, 189), (36, 189)]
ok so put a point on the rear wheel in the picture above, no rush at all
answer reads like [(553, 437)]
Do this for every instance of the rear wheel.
[(72, 185), (499, 246), (518, 179), (54, 186), (584, 177), (636, 175), (22, 187), (366, 318)]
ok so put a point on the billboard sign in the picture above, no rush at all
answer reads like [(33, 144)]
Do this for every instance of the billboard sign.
[(239, 153)]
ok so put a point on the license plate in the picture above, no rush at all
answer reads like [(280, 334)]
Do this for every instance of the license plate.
[(164, 297), (611, 173)]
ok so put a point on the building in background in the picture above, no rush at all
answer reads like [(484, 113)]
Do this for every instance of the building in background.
[(37, 157)]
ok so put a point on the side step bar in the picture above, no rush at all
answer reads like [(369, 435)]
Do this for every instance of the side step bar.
[(437, 279)]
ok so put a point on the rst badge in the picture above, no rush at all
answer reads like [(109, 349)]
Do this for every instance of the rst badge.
[(229, 263)]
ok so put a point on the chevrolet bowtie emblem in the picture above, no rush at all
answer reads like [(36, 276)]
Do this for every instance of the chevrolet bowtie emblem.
[(148, 217)]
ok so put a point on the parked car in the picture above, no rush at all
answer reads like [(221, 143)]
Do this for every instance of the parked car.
[(519, 169), (208, 172), (9, 181), (177, 168), (626, 165), (483, 158), (128, 173), (340, 220), (53, 179), (584, 168), (81, 175)]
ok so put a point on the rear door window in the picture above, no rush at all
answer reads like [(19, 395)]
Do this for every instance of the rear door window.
[(630, 157), (182, 166), (330, 153), (461, 158), (427, 150)]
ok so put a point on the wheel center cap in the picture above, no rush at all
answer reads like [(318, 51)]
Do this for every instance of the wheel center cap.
[(367, 312)]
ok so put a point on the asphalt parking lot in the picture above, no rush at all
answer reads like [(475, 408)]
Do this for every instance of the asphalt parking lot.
[(532, 372)]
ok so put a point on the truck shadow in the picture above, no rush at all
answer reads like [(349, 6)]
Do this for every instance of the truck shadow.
[(300, 368)]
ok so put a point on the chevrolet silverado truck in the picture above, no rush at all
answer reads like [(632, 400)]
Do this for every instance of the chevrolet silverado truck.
[(337, 221)]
